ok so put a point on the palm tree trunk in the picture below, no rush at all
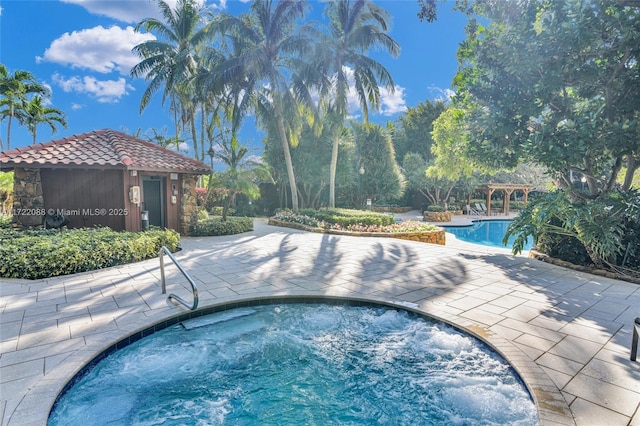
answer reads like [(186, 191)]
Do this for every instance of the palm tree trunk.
[(194, 135), (287, 155), (9, 132), (332, 171)]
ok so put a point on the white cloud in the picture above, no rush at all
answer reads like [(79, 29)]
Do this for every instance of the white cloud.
[(125, 11), (390, 102), (182, 149), (75, 106), (440, 94), (103, 90), (130, 11), (98, 49)]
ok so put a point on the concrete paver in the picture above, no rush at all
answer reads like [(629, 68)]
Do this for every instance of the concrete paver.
[(567, 333)]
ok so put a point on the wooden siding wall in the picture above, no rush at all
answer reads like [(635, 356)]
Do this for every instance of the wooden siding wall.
[(101, 197), (173, 210), (90, 197), (133, 220)]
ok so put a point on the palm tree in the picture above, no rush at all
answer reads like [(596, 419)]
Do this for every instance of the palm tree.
[(172, 62), (36, 113), (14, 90), (265, 73), (354, 28), (241, 176)]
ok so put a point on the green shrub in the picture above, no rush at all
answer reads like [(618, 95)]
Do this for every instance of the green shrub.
[(345, 220), (5, 221), (287, 215), (202, 215), (435, 208), (33, 254), (216, 226), (347, 217), (604, 232), (516, 205), (217, 211)]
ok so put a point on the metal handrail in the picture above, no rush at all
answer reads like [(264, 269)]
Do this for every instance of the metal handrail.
[(634, 339), (163, 251)]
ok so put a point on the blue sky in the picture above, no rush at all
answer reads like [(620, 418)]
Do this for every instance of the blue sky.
[(81, 49)]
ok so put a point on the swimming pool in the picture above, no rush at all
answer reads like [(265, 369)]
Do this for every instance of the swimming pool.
[(485, 232), (301, 364)]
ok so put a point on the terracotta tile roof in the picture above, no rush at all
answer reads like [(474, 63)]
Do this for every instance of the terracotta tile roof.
[(103, 149)]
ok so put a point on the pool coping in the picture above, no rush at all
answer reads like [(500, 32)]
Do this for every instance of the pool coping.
[(551, 406)]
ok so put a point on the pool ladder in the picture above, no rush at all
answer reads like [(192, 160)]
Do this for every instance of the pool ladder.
[(194, 306)]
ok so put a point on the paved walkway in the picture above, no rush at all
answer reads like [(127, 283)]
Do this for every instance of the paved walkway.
[(567, 333)]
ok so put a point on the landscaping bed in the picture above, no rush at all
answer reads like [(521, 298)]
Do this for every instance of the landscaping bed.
[(534, 254), (391, 209), (44, 253), (359, 223), (215, 226)]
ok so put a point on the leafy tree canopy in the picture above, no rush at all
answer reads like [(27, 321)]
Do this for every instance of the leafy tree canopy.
[(382, 180), (557, 83), (416, 124)]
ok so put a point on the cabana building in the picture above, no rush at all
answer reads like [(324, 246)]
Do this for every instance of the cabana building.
[(103, 178)]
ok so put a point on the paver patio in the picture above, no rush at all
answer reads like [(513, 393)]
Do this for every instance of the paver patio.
[(567, 333)]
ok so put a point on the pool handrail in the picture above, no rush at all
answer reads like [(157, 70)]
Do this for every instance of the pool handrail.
[(634, 339), (194, 288)]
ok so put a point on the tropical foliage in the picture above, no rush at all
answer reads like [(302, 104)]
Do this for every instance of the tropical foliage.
[(606, 230), (381, 179), (414, 131), (47, 253), (557, 84), (21, 98), (355, 27), (216, 226), (172, 61), (351, 220), (242, 174), (6, 192), (270, 63), (35, 113)]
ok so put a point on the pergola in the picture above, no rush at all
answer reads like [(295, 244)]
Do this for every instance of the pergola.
[(507, 189)]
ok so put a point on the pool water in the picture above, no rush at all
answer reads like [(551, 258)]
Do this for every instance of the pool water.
[(301, 364), (485, 232)]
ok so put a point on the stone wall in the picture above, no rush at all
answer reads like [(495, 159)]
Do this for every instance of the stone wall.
[(437, 216), (188, 214), (28, 203), (433, 237)]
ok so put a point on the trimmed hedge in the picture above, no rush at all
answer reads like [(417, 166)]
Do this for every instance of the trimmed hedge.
[(346, 217), (44, 253), (344, 220), (216, 226)]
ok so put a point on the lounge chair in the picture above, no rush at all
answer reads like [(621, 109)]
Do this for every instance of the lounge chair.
[(472, 211), (494, 212)]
